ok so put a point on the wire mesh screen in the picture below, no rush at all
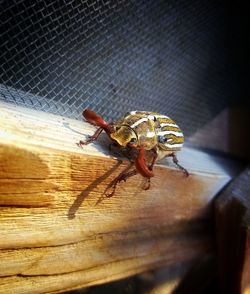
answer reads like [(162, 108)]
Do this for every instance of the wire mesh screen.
[(116, 56)]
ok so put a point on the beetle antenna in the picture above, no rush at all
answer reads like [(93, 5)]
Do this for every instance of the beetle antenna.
[(97, 120)]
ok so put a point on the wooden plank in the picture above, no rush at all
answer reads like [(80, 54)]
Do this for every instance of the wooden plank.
[(58, 231), (233, 236)]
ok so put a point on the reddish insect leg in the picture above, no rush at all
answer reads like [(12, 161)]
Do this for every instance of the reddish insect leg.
[(154, 158), (91, 138), (141, 165), (123, 176), (175, 160), (147, 183)]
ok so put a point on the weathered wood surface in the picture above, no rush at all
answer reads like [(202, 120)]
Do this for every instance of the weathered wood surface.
[(233, 236), (58, 231)]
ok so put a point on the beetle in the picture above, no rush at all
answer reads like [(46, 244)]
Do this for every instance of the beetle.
[(152, 135)]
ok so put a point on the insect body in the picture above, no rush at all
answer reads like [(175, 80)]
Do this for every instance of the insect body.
[(153, 135), (150, 130)]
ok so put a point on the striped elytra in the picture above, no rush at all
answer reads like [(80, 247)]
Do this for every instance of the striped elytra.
[(148, 129)]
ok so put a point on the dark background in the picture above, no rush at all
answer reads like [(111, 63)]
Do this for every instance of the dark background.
[(185, 59)]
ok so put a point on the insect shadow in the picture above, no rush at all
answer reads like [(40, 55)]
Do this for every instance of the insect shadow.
[(111, 188), (80, 198), (67, 126)]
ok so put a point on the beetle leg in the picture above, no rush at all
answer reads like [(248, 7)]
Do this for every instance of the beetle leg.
[(141, 165), (123, 176), (147, 184), (154, 158), (175, 160), (91, 138)]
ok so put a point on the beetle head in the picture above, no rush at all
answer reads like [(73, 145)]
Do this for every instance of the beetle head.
[(124, 136)]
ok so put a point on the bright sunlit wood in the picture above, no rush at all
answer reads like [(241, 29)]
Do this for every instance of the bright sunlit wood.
[(59, 231)]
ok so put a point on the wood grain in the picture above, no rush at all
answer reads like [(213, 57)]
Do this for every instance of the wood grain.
[(58, 230)]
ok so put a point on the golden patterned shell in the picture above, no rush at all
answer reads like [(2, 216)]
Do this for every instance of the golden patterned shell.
[(150, 129)]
